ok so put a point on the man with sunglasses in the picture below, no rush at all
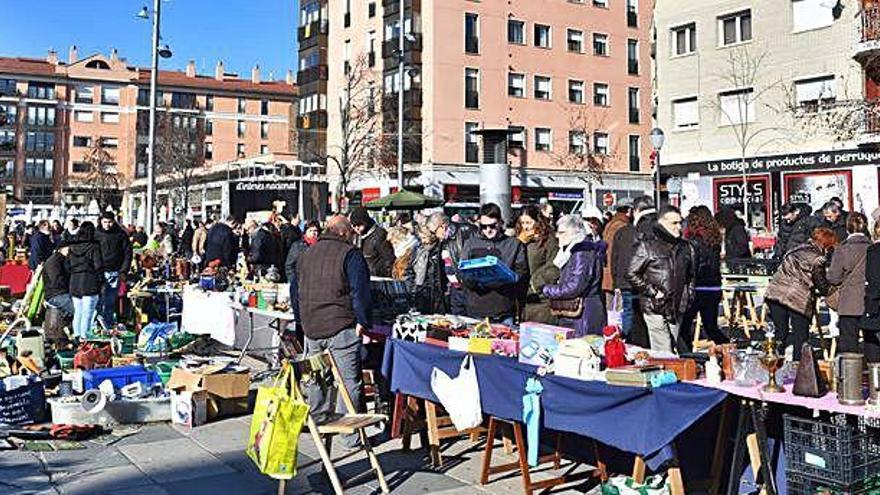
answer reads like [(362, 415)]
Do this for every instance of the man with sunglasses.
[(496, 302)]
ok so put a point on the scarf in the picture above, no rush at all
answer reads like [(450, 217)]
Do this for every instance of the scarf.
[(564, 252), (403, 246)]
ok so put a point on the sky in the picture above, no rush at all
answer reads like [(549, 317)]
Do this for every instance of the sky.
[(242, 33)]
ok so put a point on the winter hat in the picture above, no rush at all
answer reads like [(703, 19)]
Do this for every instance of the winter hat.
[(359, 216)]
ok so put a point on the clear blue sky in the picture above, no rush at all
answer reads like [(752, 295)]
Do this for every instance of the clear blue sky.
[(239, 32)]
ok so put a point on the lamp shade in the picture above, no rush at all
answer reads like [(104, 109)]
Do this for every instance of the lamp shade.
[(657, 138)]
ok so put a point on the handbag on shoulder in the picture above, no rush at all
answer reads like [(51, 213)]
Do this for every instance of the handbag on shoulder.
[(567, 308)]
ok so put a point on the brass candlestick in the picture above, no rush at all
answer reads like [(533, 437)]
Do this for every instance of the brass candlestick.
[(771, 361)]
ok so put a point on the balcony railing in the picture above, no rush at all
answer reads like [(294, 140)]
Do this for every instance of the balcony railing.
[(313, 29), (312, 74), (870, 24)]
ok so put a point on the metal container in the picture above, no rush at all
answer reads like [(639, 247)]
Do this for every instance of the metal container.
[(850, 366), (874, 384)]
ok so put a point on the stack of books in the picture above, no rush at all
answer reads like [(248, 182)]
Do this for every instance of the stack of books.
[(632, 376)]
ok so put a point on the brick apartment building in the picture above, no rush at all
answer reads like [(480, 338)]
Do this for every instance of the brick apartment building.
[(531, 67), (55, 112)]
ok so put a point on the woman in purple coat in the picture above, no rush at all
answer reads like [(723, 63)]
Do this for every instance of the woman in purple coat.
[(581, 261)]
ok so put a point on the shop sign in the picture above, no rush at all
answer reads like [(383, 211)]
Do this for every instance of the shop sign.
[(789, 162), (728, 193), (266, 186), (572, 195)]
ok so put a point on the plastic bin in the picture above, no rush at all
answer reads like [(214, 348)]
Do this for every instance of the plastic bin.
[(841, 453), (164, 368), (65, 359), (487, 270), (120, 377)]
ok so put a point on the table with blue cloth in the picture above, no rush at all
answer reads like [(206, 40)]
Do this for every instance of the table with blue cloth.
[(653, 418)]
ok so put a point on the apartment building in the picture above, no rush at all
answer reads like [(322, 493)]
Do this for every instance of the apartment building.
[(570, 81), (767, 102), (57, 112)]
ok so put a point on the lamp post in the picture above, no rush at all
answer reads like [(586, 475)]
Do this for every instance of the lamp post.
[(164, 52), (401, 46), (657, 140)]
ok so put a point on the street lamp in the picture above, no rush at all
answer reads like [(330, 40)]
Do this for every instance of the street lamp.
[(657, 140), (401, 46), (164, 52)]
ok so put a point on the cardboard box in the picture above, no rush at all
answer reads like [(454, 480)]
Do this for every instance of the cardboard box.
[(538, 342), (222, 385), (222, 408), (458, 344), (189, 408)]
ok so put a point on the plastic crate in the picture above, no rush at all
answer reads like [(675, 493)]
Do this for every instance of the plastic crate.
[(487, 270), (842, 451), (120, 377), (803, 485)]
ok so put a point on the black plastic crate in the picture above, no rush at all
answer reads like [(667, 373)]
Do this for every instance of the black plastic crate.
[(803, 485), (841, 451)]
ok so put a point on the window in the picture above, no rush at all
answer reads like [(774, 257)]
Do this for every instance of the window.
[(575, 41), (40, 141), (737, 106), (109, 142), (209, 103), (81, 116), (600, 95), (371, 49), (684, 39), (471, 143), (812, 94), (516, 137), (516, 85), (346, 57), (812, 14), (471, 88), (41, 91), (40, 116), (577, 142), (242, 127), (82, 141), (183, 100), (85, 93), (264, 130), (109, 118), (39, 168), (600, 143), (632, 57), (735, 28), (600, 44), (516, 32), (7, 87), (242, 105), (633, 97), (635, 147), (685, 113), (371, 10), (543, 139), (109, 95), (82, 167), (144, 97), (543, 88), (10, 109), (471, 33), (632, 13), (576, 91), (209, 127), (239, 150), (346, 20), (600, 3), (264, 149), (209, 151), (542, 36)]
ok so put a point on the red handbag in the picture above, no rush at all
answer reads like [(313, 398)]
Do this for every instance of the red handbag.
[(93, 355)]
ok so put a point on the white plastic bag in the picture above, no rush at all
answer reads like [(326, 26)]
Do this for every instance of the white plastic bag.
[(460, 396)]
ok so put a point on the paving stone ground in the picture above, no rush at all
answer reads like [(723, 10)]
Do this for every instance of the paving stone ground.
[(210, 460)]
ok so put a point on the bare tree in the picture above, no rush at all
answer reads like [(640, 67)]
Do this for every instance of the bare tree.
[(832, 114), (583, 150), (743, 74), (179, 142), (102, 177)]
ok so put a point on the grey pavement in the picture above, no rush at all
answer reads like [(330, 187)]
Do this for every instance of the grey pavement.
[(157, 459)]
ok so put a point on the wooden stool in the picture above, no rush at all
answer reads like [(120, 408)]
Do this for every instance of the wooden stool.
[(407, 420), (522, 464)]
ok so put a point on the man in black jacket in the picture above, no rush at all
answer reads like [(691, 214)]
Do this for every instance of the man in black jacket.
[(496, 301), (662, 274), (221, 243), (56, 279), (266, 250), (41, 245), (116, 260), (623, 247), (834, 218), (373, 241)]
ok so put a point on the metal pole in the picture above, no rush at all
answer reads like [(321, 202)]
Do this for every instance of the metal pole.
[(745, 193), (400, 66), (151, 140), (657, 178)]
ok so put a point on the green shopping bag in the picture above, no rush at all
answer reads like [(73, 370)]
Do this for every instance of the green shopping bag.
[(279, 415), (624, 485)]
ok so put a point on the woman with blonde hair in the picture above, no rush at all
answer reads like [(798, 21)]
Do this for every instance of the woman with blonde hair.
[(404, 244)]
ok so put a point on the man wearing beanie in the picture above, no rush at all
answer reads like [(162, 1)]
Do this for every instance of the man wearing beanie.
[(373, 241), (116, 260)]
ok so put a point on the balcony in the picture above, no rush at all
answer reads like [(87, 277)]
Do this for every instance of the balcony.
[(312, 34), (868, 45), (412, 105), (867, 121), (412, 50), (391, 8), (312, 74), (312, 120)]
